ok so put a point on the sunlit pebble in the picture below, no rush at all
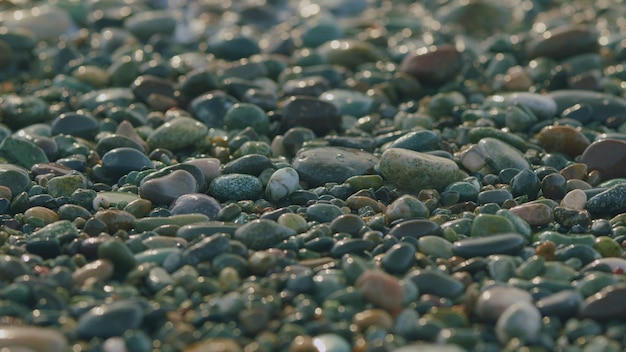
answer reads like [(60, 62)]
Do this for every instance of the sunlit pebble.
[(101, 201)]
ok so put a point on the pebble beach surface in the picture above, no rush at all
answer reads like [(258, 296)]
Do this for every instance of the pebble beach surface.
[(302, 176)]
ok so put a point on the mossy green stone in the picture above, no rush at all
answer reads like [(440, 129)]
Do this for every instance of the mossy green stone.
[(262, 234), (64, 186), (435, 246), (242, 115), (22, 152), (467, 191), (156, 256), (561, 239), (150, 223), (179, 133), (607, 247), (61, 228), (478, 133), (118, 253), (414, 171), (489, 224), (15, 177), (365, 181)]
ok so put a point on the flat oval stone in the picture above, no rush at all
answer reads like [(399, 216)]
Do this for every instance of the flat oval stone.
[(22, 152), (101, 97), (535, 214), (100, 270), (415, 171), (563, 304), (349, 102), (309, 112), (338, 164), (489, 224), (563, 42), (416, 228), (331, 343), (435, 246), (542, 105), (604, 105), (430, 281), (120, 161), (609, 303), (75, 123), (406, 207), (606, 156), (14, 177), (113, 141), (504, 243), (521, 321), (349, 52), (236, 187), (32, 338), (179, 133), (18, 111), (262, 234), (242, 115), (493, 301), (433, 66), (563, 139), (196, 203), (399, 258), (419, 141), (500, 155), (251, 164), (210, 108), (115, 219), (165, 189), (206, 249), (110, 319), (322, 212)]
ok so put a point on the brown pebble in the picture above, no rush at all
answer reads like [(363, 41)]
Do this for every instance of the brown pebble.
[(358, 202), (535, 214), (302, 343), (47, 215), (115, 219), (563, 139), (5, 192), (576, 171), (100, 270), (381, 289), (607, 157), (433, 65), (547, 250), (220, 344), (373, 317)]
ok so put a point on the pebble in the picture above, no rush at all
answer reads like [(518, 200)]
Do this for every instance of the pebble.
[(521, 321), (32, 338), (262, 234), (120, 161), (406, 207), (282, 183), (179, 133), (415, 171), (535, 214), (604, 156), (608, 202), (161, 190), (196, 203), (506, 243), (563, 139), (575, 199), (381, 289), (235, 187), (339, 164), (310, 112), (605, 305), (433, 65), (494, 301)]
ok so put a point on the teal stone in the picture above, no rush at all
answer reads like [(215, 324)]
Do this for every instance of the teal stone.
[(521, 226), (18, 111), (192, 231), (120, 161), (64, 186), (562, 304), (321, 32), (349, 102), (145, 24), (541, 105), (561, 239), (520, 321), (489, 224), (262, 234), (210, 109), (518, 119), (119, 254), (419, 141), (331, 343), (179, 133), (466, 190), (22, 152), (558, 271), (501, 267), (16, 178), (236, 187), (608, 304), (502, 155), (322, 213), (604, 105), (111, 319), (233, 47), (60, 229), (610, 202), (12, 267), (593, 282), (242, 115), (478, 133), (157, 256), (101, 97), (533, 266), (505, 243), (432, 281), (461, 226), (435, 246), (399, 258)]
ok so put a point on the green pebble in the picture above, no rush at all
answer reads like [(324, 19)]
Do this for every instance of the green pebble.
[(64, 186), (22, 152), (607, 247), (489, 224), (365, 182), (435, 246), (242, 115), (150, 223)]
